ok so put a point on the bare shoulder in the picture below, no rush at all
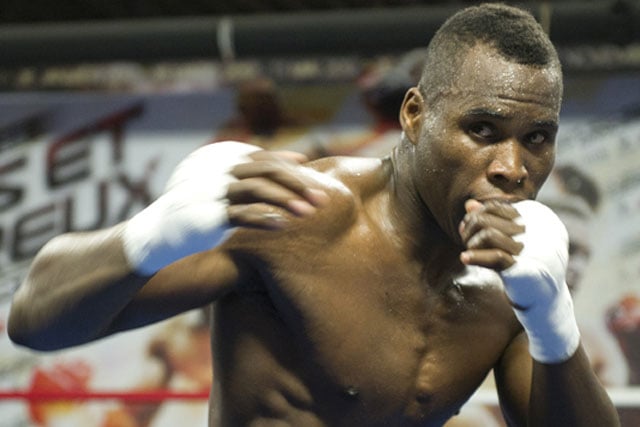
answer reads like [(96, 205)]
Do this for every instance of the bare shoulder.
[(347, 180), (360, 175)]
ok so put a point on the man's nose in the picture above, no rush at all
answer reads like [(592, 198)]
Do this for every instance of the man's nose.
[(507, 168)]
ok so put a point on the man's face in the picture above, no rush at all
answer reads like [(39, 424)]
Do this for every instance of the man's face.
[(491, 135)]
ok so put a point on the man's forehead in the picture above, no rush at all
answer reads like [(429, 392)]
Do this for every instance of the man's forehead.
[(484, 72)]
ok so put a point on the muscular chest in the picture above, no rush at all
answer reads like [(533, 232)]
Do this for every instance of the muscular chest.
[(387, 331)]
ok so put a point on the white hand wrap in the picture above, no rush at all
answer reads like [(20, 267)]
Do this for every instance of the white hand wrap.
[(536, 283), (191, 214)]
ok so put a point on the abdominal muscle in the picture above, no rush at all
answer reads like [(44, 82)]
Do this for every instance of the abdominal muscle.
[(353, 361)]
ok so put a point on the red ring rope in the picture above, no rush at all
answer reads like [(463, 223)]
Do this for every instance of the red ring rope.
[(147, 396)]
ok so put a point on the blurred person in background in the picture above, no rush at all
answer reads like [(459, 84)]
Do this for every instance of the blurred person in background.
[(262, 119), (381, 90)]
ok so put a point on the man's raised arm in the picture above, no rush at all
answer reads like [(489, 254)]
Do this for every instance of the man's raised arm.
[(544, 379), (80, 283)]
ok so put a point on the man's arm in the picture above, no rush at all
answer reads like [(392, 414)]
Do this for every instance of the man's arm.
[(76, 284), (560, 394), (83, 286), (544, 377)]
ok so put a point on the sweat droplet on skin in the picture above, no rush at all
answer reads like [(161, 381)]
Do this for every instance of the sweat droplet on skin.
[(352, 392)]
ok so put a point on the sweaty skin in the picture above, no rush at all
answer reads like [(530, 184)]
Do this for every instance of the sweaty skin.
[(349, 313), (367, 331), (352, 316)]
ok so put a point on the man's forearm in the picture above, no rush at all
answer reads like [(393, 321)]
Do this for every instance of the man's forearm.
[(77, 285), (569, 394)]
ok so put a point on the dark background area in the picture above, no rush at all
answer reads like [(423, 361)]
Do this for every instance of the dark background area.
[(42, 32), (34, 11)]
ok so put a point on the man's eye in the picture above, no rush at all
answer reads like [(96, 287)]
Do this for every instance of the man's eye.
[(537, 138), (483, 130)]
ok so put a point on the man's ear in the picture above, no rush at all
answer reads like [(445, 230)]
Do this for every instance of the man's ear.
[(411, 114)]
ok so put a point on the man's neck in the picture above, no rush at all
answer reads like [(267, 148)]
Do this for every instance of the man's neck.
[(407, 210)]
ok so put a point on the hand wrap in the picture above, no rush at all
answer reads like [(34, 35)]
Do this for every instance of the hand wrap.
[(191, 214), (536, 285)]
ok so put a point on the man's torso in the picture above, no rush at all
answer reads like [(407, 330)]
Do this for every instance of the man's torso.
[(348, 327)]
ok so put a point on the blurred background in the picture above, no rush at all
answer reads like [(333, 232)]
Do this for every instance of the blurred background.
[(99, 100)]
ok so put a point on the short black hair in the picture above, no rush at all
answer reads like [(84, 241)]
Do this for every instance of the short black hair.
[(513, 32)]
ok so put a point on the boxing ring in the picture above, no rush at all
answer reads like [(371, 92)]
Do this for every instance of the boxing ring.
[(231, 38)]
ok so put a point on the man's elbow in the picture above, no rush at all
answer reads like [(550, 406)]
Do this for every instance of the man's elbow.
[(22, 330), (26, 328), (36, 341), (23, 338)]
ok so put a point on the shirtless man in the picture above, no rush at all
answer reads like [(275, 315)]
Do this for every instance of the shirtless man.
[(342, 300)]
